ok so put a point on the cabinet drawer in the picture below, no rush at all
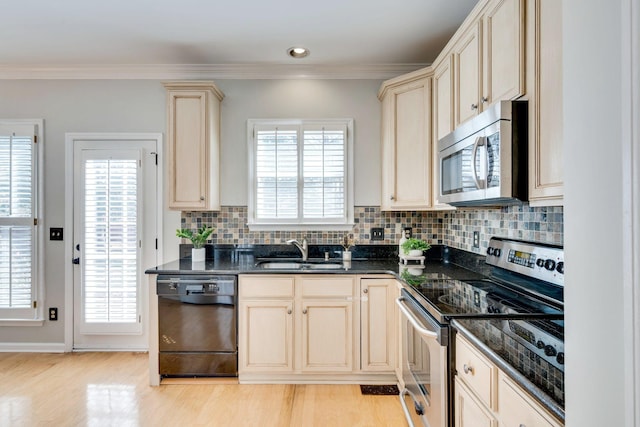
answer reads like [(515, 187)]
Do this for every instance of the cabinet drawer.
[(516, 408), (327, 286), (476, 371), (266, 287)]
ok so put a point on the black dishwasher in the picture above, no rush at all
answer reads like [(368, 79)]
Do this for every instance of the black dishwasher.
[(197, 325)]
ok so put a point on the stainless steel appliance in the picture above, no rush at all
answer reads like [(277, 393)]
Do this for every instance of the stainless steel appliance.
[(484, 160), (523, 297), (197, 318)]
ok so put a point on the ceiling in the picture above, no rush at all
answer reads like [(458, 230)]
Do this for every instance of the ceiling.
[(248, 37)]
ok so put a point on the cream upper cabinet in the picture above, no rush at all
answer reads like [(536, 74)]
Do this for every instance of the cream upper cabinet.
[(468, 77), (378, 324), (193, 139), (489, 58), (443, 99), (544, 55), (406, 142)]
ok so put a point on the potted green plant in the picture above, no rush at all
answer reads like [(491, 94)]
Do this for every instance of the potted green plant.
[(198, 239), (415, 247)]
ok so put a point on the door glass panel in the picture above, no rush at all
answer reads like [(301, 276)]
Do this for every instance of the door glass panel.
[(110, 249)]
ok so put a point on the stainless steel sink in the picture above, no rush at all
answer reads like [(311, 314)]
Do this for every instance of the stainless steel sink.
[(298, 265)]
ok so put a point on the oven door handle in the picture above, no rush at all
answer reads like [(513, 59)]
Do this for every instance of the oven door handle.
[(407, 413), (412, 319)]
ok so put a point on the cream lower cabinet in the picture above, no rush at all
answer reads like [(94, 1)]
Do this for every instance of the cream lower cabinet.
[(378, 324), (485, 396), (296, 324)]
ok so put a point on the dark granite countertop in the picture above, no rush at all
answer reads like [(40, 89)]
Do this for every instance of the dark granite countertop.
[(545, 383)]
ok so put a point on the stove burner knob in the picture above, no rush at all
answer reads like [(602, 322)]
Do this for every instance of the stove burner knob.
[(560, 267), (560, 358), (550, 351), (540, 344), (496, 252), (540, 262), (492, 309), (550, 264), (490, 250)]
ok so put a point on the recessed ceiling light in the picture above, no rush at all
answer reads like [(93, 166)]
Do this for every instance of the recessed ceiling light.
[(298, 52)]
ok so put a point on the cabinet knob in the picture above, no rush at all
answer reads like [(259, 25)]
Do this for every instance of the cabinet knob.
[(474, 106), (304, 311), (468, 369), (289, 311), (201, 197), (391, 198), (365, 290), (484, 99)]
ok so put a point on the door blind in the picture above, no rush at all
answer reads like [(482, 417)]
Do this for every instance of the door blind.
[(110, 241)]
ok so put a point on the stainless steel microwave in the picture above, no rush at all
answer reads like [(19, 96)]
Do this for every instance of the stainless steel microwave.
[(483, 162)]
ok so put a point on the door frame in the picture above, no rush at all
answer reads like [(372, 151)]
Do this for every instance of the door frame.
[(70, 141)]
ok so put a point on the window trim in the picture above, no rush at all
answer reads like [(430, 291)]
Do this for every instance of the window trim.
[(288, 225), (37, 319)]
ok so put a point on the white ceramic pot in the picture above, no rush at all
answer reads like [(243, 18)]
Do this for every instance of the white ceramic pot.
[(346, 255), (415, 252), (198, 255)]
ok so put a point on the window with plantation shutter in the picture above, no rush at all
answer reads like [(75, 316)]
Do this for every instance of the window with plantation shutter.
[(18, 219), (300, 174)]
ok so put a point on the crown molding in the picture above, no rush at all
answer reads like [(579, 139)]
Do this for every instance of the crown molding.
[(205, 71)]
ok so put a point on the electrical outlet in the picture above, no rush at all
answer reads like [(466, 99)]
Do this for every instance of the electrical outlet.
[(377, 233), (408, 232), (55, 233), (53, 313), (476, 298), (476, 239)]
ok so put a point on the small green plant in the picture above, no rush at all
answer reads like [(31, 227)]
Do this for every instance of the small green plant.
[(198, 238), (415, 244)]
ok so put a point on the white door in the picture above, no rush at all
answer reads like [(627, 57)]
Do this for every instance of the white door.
[(114, 241)]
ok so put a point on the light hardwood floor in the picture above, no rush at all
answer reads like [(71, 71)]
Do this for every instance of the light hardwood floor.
[(111, 389)]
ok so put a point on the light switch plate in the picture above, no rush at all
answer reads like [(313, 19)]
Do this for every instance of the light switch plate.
[(377, 233)]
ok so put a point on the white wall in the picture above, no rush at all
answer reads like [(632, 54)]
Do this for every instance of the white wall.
[(594, 289), (139, 106)]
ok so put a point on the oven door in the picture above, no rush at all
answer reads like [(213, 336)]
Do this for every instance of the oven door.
[(424, 365)]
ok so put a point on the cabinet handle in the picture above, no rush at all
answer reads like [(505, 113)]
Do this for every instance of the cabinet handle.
[(474, 106), (468, 369), (289, 311), (304, 311), (365, 290)]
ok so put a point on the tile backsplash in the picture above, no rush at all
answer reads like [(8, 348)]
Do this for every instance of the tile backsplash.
[(451, 228)]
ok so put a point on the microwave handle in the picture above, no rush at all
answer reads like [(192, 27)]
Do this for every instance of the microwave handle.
[(480, 142), (416, 324)]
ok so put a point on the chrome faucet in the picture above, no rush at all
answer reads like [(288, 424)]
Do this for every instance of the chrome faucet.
[(304, 247)]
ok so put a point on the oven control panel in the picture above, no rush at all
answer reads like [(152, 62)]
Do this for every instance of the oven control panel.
[(539, 261)]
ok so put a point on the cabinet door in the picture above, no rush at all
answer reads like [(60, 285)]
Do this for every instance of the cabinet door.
[(516, 408), (327, 335), (266, 336), (407, 148), (468, 76), (443, 99), (193, 122), (378, 324), (469, 412), (504, 52), (544, 47)]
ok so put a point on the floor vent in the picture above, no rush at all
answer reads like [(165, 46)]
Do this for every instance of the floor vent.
[(380, 390)]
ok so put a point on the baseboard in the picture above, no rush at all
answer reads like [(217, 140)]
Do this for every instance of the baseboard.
[(19, 347)]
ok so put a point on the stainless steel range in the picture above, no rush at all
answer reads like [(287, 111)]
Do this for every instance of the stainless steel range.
[(522, 296)]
